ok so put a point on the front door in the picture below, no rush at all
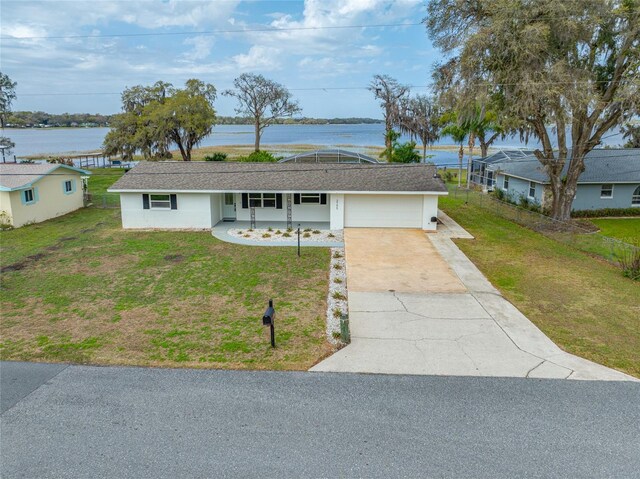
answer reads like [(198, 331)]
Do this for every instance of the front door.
[(229, 206)]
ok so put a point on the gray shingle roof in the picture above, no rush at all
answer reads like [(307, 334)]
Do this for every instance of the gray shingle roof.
[(18, 175), (605, 165), (228, 176)]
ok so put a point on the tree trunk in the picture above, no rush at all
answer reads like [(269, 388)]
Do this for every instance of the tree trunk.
[(186, 156), (469, 163), (424, 152), (484, 149), (460, 156), (257, 131)]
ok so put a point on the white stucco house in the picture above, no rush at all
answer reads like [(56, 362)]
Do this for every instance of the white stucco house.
[(198, 195), (35, 192)]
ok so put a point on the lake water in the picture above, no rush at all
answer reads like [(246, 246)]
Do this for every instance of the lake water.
[(46, 141)]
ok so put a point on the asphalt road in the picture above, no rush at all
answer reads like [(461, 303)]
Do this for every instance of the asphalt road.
[(150, 423)]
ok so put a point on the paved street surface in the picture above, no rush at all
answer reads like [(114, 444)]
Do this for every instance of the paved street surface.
[(418, 305), (93, 422)]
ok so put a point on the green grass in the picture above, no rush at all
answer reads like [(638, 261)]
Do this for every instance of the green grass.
[(624, 229), (103, 178), (88, 292), (582, 303)]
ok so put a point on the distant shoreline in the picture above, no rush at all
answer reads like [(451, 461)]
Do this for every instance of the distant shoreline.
[(246, 148)]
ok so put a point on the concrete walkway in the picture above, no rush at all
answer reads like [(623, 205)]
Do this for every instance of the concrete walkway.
[(220, 231), (457, 325)]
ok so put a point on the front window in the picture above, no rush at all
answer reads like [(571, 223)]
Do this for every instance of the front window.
[(160, 201), (310, 198), (635, 199), (28, 196), (262, 200), (506, 183), (606, 191), (532, 189), (68, 187)]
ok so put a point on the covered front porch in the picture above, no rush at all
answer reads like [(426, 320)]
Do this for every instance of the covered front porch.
[(278, 210)]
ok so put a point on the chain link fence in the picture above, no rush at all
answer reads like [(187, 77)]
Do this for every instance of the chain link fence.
[(102, 200), (574, 233)]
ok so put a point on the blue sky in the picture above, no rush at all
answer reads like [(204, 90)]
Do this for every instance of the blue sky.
[(342, 60)]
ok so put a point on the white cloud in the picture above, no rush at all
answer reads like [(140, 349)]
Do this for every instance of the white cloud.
[(201, 47), (258, 58)]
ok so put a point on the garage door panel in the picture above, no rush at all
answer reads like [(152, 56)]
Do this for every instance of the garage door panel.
[(386, 211)]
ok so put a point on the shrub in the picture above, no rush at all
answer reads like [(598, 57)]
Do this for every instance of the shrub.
[(306, 235), (316, 232), (59, 160), (5, 221), (331, 235), (269, 228), (606, 212), (337, 280), (499, 194), (278, 232), (307, 230), (337, 254), (259, 157), (250, 230), (337, 266), (336, 335), (247, 236), (217, 156), (630, 263), (339, 296), (289, 230), (266, 235), (239, 232), (286, 235), (337, 313)]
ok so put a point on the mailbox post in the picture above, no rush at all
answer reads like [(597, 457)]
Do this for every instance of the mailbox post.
[(298, 240), (268, 319)]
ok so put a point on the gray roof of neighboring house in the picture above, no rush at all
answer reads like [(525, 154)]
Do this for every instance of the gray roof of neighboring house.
[(14, 176), (228, 176), (603, 165), (329, 156)]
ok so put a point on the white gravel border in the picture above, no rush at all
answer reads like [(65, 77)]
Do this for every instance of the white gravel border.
[(257, 234), (340, 273)]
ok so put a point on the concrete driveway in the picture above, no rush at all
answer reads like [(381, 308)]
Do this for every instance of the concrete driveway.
[(417, 305)]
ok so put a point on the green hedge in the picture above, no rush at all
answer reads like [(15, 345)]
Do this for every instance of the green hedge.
[(606, 212)]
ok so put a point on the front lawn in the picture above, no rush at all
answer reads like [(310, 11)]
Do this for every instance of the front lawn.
[(624, 229), (581, 302), (80, 289)]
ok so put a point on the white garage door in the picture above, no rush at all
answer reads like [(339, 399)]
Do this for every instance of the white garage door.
[(386, 211)]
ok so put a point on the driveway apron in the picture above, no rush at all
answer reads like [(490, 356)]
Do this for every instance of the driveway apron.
[(417, 305)]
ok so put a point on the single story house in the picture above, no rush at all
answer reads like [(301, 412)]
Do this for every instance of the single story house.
[(177, 194), (611, 178), (34, 192)]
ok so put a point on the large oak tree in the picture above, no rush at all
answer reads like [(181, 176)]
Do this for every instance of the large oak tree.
[(565, 72), (263, 100), (155, 117), (391, 95)]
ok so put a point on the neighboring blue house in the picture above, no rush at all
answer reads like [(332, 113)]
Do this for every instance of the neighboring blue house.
[(611, 178)]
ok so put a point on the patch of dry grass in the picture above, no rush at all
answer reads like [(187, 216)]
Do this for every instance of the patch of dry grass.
[(159, 298), (582, 302)]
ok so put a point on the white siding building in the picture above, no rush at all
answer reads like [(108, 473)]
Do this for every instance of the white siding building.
[(35, 192), (198, 195)]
